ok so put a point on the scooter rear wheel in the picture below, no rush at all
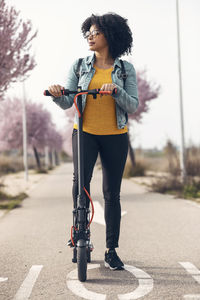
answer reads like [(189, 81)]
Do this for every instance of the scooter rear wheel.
[(82, 263)]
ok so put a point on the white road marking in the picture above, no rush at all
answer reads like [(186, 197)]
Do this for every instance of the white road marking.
[(99, 213), (78, 288), (191, 269), (25, 289), (2, 279), (193, 297), (145, 285)]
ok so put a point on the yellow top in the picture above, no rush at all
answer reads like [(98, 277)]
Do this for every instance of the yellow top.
[(99, 116)]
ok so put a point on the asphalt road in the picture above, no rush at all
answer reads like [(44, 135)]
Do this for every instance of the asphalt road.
[(159, 245)]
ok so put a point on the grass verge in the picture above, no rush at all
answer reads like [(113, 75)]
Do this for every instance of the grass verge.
[(172, 185), (9, 202), (138, 170)]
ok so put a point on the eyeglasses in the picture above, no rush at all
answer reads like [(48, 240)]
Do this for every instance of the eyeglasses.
[(94, 33)]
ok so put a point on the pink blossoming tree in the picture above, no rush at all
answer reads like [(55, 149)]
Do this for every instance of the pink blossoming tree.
[(41, 131), (15, 59)]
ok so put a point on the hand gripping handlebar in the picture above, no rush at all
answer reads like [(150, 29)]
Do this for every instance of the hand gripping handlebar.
[(79, 92)]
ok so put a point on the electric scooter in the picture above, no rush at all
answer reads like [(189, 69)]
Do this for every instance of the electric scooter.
[(80, 231)]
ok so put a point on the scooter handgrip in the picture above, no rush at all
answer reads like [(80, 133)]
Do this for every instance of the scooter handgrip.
[(46, 93), (109, 92), (65, 92)]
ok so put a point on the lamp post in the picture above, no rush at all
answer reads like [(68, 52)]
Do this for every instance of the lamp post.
[(182, 147), (25, 152)]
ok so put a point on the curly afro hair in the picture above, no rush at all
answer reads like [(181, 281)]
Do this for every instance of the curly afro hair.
[(115, 30)]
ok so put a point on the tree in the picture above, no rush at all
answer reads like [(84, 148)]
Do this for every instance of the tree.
[(170, 150), (41, 131), (15, 60), (147, 91)]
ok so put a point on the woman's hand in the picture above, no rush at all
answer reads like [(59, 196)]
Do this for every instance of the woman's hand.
[(108, 87), (55, 90)]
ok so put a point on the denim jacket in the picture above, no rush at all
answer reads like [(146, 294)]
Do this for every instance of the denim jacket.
[(126, 98)]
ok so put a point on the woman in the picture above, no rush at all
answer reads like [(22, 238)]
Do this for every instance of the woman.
[(104, 119)]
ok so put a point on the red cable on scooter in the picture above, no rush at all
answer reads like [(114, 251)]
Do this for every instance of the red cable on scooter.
[(82, 93), (90, 219)]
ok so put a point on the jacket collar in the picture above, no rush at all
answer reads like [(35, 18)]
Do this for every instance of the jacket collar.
[(90, 60)]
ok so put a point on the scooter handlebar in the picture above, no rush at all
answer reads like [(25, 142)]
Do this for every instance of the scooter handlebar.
[(67, 92)]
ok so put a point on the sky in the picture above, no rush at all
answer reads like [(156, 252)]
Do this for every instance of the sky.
[(153, 23)]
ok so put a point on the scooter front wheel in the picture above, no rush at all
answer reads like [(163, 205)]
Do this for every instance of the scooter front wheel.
[(82, 263)]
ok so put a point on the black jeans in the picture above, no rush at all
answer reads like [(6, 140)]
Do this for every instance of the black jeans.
[(113, 151)]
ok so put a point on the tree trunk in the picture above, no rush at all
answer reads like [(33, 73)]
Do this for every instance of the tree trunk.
[(46, 149), (50, 158), (56, 158), (131, 152), (53, 158), (37, 158)]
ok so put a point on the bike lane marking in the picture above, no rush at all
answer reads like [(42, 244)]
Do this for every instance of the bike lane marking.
[(99, 213), (78, 288), (2, 279), (191, 297), (145, 284), (25, 289), (191, 269)]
